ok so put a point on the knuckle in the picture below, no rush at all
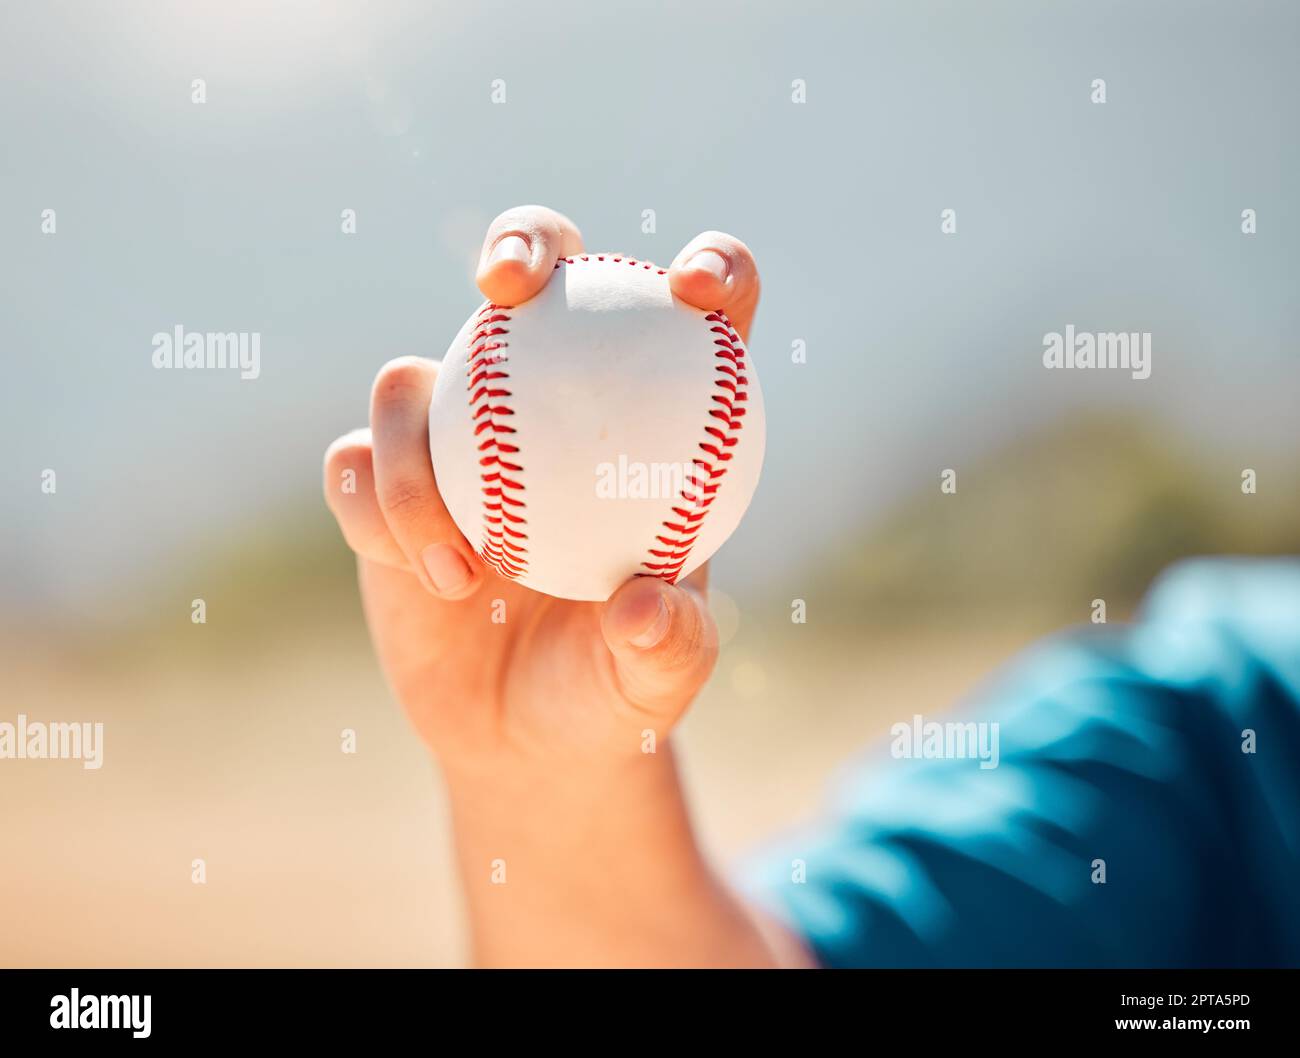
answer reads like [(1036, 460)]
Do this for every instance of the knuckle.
[(370, 542), (686, 644), (400, 381), (719, 239), (745, 256), (526, 219), (405, 498)]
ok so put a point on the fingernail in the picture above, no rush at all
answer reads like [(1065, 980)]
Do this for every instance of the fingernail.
[(655, 630), (448, 571), (510, 248), (712, 262)]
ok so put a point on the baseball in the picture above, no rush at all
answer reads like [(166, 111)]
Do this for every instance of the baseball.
[(601, 430)]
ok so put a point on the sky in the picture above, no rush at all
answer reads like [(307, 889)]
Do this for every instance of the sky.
[(924, 348)]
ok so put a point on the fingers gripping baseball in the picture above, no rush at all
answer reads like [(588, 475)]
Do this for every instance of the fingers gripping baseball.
[(350, 496), (520, 251), (405, 488), (663, 640), (717, 271)]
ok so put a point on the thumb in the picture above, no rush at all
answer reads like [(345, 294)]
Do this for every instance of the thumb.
[(664, 643)]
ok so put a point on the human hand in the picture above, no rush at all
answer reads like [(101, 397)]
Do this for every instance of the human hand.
[(557, 683)]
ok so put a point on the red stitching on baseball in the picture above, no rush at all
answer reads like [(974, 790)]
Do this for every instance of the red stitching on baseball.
[(617, 260), (503, 525), (701, 488), (503, 519)]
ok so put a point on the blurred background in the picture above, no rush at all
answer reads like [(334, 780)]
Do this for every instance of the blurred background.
[(923, 353)]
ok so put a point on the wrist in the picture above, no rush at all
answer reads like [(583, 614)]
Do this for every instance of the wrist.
[(511, 790), (582, 757), (592, 863)]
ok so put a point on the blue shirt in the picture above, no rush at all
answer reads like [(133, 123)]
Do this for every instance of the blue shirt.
[(1120, 749)]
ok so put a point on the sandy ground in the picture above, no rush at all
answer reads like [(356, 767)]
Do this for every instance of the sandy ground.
[(317, 858)]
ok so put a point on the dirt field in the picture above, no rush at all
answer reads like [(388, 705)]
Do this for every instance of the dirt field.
[(317, 858)]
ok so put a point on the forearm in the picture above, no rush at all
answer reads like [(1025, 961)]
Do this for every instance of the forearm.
[(595, 866)]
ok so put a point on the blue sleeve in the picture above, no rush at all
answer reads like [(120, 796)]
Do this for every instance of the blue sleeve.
[(1165, 754)]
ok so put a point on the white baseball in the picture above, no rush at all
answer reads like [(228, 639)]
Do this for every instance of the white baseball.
[(599, 431)]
